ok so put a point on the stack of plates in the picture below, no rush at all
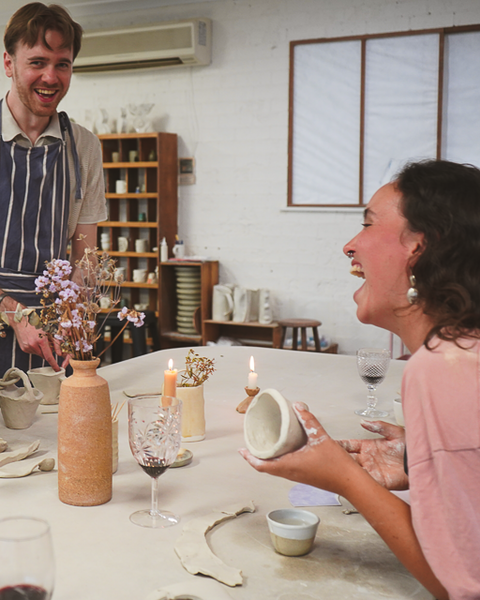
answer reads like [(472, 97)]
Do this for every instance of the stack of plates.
[(188, 298)]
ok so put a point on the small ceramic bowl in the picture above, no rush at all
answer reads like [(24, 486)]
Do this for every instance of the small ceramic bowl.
[(271, 427), (292, 530), (398, 411)]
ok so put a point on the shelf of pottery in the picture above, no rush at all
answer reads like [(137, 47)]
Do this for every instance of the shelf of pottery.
[(186, 290), (140, 171)]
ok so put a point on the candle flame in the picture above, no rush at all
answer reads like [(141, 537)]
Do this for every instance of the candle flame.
[(170, 364), (252, 364)]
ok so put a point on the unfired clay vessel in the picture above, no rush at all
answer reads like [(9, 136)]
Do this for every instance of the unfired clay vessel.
[(18, 404), (271, 427), (47, 381)]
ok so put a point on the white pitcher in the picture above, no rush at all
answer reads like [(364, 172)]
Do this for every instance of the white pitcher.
[(245, 305), (222, 304)]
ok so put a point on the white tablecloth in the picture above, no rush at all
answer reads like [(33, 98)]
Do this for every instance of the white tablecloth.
[(101, 555)]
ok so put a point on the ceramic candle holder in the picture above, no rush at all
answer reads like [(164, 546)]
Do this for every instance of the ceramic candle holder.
[(271, 427)]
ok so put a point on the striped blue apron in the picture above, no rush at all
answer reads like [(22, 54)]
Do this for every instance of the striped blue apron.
[(34, 207)]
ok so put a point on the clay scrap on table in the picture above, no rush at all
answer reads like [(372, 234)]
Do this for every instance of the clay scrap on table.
[(200, 589), (194, 552), (19, 454), (26, 467), (3, 445)]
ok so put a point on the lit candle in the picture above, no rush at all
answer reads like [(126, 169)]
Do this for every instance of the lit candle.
[(170, 380), (252, 376)]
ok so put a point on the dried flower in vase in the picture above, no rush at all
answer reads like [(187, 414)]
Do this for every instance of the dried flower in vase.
[(197, 370), (70, 310)]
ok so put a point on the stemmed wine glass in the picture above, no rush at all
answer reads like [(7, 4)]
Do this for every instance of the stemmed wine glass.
[(27, 567), (372, 364), (154, 433)]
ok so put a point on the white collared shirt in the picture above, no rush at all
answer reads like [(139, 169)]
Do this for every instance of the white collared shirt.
[(12, 131)]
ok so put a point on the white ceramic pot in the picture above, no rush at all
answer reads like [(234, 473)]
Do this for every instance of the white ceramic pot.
[(271, 427), (193, 413), (47, 381), (292, 530), (18, 404)]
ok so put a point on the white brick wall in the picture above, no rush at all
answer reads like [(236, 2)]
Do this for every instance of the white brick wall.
[(233, 117)]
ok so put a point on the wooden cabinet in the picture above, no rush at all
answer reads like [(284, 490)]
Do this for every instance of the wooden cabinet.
[(146, 210), (170, 337), (251, 334)]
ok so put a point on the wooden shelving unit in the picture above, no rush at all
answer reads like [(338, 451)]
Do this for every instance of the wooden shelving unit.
[(253, 333), (169, 336), (147, 210)]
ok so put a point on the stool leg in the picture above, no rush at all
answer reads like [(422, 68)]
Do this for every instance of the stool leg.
[(295, 338), (317, 339), (304, 337)]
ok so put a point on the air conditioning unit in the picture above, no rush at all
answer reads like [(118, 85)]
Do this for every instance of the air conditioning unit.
[(169, 44)]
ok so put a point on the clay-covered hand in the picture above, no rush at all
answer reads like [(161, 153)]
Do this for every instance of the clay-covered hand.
[(383, 457), (322, 462)]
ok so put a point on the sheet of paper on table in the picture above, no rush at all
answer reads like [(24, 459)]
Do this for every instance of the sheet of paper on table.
[(307, 495)]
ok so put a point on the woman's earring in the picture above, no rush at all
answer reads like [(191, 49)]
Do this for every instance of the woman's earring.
[(412, 293)]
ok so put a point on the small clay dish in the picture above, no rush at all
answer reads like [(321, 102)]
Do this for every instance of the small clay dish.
[(292, 530)]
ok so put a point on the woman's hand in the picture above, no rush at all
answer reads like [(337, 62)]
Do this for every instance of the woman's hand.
[(322, 462), (381, 458)]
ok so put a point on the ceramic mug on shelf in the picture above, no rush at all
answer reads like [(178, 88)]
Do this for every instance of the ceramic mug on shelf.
[(178, 250), (120, 186), (140, 275), (122, 244), (141, 245), (115, 156), (133, 155)]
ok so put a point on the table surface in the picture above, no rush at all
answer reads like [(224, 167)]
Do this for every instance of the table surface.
[(101, 555)]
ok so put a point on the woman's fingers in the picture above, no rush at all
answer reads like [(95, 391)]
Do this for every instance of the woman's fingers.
[(387, 430)]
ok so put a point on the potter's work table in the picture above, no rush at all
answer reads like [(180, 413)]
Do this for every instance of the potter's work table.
[(101, 555)]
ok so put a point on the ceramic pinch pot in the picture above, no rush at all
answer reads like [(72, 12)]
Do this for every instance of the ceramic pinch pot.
[(18, 404), (271, 427), (48, 382)]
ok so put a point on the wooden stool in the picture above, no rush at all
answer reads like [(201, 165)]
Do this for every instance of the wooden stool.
[(301, 324)]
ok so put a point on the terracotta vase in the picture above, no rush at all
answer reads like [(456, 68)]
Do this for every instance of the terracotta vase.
[(84, 437)]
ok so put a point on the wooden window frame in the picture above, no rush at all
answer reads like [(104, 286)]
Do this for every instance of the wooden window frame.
[(363, 39)]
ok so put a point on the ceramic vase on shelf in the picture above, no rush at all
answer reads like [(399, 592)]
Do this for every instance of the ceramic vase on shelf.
[(84, 437)]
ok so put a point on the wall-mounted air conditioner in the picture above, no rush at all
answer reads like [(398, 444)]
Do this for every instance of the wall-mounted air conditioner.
[(176, 43)]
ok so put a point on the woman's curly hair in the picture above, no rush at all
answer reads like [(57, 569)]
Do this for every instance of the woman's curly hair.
[(441, 199)]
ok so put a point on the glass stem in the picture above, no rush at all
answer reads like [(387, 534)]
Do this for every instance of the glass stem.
[(154, 509), (371, 398)]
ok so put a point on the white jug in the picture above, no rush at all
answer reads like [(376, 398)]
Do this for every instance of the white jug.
[(245, 305), (222, 304)]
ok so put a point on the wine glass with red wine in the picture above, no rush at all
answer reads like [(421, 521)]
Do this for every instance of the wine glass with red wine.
[(154, 433), (372, 364), (27, 569)]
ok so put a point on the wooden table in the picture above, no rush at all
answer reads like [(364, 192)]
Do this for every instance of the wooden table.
[(101, 555)]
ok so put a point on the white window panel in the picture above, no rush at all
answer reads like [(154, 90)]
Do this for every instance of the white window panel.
[(326, 126), (401, 105), (461, 100)]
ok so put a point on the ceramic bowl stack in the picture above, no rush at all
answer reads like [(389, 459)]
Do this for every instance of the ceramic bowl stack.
[(188, 298)]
